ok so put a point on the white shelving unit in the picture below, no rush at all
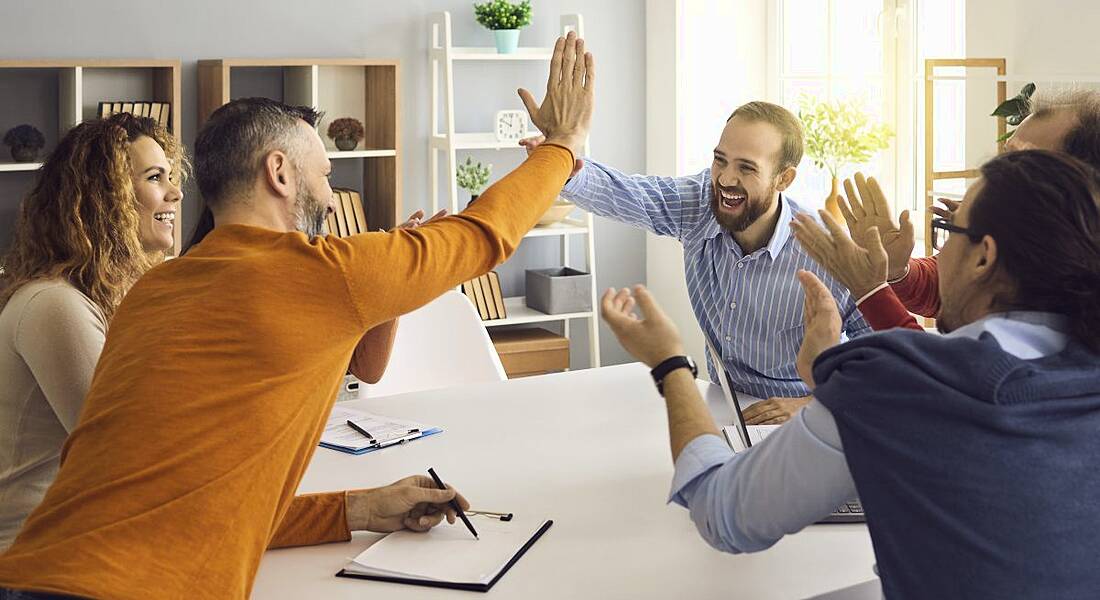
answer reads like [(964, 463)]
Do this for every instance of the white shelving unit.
[(445, 140)]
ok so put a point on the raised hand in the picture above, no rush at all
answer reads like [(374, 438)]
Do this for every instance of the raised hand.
[(652, 338), (822, 329), (860, 269), (868, 208), (565, 114), (948, 212)]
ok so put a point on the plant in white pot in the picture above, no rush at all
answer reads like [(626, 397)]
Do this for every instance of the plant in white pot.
[(840, 133), (473, 177), (505, 20)]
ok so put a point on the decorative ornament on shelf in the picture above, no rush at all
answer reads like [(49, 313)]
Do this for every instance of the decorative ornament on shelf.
[(504, 19), (346, 132), (1015, 110), (472, 177), (511, 125), (557, 211), (840, 133), (25, 141)]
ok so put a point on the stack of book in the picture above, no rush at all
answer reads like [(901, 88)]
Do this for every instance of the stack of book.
[(484, 292), (158, 111), (348, 218)]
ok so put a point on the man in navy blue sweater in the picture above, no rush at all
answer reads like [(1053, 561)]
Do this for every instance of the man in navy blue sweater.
[(973, 452)]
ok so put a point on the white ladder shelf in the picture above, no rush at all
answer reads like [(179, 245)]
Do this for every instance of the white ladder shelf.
[(442, 55)]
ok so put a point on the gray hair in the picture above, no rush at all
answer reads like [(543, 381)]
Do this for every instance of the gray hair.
[(1082, 141), (230, 148)]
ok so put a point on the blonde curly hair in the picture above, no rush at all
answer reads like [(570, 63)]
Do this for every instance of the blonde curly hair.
[(80, 220)]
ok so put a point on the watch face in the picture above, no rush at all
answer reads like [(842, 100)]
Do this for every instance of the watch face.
[(511, 125)]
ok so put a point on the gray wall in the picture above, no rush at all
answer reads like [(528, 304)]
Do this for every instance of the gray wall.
[(189, 31)]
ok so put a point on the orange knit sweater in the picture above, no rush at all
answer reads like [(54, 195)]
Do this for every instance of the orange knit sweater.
[(218, 373)]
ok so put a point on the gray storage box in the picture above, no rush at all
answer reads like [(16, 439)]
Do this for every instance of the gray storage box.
[(559, 290)]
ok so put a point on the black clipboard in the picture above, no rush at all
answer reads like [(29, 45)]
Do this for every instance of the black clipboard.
[(469, 587)]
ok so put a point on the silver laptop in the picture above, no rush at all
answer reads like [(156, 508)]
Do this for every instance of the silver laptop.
[(741, 437)]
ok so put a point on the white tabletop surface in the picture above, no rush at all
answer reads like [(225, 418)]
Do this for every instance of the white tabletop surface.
[(588, 449)]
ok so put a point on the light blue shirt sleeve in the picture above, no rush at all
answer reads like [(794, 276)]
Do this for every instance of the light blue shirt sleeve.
[(746, 502), (661, 205)]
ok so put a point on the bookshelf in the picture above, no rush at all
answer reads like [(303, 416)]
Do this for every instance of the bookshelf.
[(365, 89), (54, 95), (445, 143)]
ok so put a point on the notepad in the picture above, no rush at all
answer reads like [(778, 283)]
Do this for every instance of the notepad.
[(385, 431), (448, 556)]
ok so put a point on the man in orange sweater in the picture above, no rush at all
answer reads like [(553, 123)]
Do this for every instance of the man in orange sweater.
[(221, 366)]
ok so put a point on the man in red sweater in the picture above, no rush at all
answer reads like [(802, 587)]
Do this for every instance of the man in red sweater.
[(877, 267)]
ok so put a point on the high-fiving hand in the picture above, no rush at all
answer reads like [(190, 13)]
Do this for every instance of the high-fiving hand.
[(860, 269), (652, 338), (866, 207), (822, 331), (566, 112)]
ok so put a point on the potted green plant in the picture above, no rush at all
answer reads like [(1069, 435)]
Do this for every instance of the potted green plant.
[(25, 141), (473, 177), (346, 132), (1015, 109), (840, 133), (504, 19)]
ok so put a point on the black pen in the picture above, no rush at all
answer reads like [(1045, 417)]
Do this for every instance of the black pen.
[(362, 431), (454, 504)]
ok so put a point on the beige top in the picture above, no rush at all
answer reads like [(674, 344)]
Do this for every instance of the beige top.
[(51, 336)]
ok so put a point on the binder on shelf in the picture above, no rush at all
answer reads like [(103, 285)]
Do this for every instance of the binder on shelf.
[(497, 294), (116, 107), (104, 110), (341, 220), (360, 214), (473, 292), (487, 293), (347, 198), (128, 107)]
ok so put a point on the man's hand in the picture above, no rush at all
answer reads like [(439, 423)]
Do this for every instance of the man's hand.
[(651, 339), (873, 211), (566, 113), (948, 212), (859, 269), (417, 219), (774, 411), (411, 503), (822, 329), (533, 142)]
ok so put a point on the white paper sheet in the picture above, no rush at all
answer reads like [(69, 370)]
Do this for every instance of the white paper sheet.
[(448, 552)]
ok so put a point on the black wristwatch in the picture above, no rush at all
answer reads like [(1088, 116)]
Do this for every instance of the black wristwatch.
[(669, 365)]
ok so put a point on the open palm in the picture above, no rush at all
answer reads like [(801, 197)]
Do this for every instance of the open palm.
[(866, 207)]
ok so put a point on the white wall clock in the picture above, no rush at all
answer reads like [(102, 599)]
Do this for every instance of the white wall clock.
[(511, 125)]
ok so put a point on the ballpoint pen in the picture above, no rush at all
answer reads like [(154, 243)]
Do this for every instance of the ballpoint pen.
[(454, 503), (362, 431)]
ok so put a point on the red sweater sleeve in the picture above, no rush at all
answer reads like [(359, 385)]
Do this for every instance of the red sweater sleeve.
[(919, 291), (883, 311)]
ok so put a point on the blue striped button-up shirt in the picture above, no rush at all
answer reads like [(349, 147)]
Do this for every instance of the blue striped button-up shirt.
[(749, 307)]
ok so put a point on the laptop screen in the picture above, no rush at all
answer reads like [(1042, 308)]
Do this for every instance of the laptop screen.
[(730, 395)]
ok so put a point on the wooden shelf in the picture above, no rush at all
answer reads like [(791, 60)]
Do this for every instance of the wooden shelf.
[(490, 53), (563, 227), (479, 141), (519, 313), (361, 88), (79, 86), (15, 166), (337, 154)]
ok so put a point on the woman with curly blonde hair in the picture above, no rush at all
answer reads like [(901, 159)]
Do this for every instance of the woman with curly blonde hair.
[(100, 214)]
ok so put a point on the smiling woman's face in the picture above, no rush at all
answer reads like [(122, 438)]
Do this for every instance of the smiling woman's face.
[(157, 196)]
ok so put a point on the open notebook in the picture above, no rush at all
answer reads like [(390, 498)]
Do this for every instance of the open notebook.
[(448, 556)]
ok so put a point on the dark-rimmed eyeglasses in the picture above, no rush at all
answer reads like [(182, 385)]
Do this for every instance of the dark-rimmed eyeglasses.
[(942, 228)]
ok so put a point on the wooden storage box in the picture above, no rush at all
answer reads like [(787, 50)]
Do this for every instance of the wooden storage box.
[(535, 351)]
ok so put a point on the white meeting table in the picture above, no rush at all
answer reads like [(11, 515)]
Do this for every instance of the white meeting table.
[(588, 449)]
